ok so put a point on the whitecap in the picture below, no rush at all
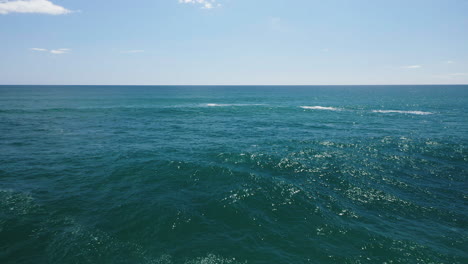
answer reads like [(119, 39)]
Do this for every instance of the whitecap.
[(213, 259), (216, 105), (320, 108), (402, 112)]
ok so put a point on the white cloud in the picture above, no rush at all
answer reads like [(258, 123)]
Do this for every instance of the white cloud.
[(38, 49), (206, 4), (60, 51), (412, 67), (449, 62), (54, 51), (133, 51), (31, 6)]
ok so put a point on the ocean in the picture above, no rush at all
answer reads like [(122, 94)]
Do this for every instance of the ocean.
[(233, 174)]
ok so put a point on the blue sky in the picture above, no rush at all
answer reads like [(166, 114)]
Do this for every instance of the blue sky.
[(232, 42)]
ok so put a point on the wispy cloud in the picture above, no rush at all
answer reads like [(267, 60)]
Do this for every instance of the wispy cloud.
[(60, 51), (54, 51), (449, 62), (205, 4), (275, 23), (133, 51), (38, 49), (412, 67), (32, 6)]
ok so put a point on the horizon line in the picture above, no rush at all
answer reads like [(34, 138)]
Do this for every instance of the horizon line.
[(234, 84)]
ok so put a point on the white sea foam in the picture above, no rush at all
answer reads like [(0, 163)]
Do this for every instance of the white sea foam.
[(216, 105), (321, 108), (402, 112), (213, 259), (209, 259)]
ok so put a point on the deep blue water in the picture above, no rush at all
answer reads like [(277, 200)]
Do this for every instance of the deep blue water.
[(142, 174)]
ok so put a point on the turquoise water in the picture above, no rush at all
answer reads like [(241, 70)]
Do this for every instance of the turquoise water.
[(102, 174)]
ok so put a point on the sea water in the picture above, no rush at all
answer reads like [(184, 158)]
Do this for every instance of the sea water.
[(233, 174)]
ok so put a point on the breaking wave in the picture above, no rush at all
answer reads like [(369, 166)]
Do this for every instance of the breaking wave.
[(321, 108), (402, 112)]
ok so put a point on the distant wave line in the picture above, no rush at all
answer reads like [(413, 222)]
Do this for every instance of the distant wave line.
[(321, 108), (213, 105), (97, 108), (402, 112)]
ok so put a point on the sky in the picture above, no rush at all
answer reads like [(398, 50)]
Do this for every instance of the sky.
[(233, 42)]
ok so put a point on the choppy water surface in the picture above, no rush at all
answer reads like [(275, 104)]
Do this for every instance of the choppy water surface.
[(168, 175)]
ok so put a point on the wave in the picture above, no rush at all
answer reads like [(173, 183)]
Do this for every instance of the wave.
[(321, 108), (402, 112), (213, 105), (217, 105)]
